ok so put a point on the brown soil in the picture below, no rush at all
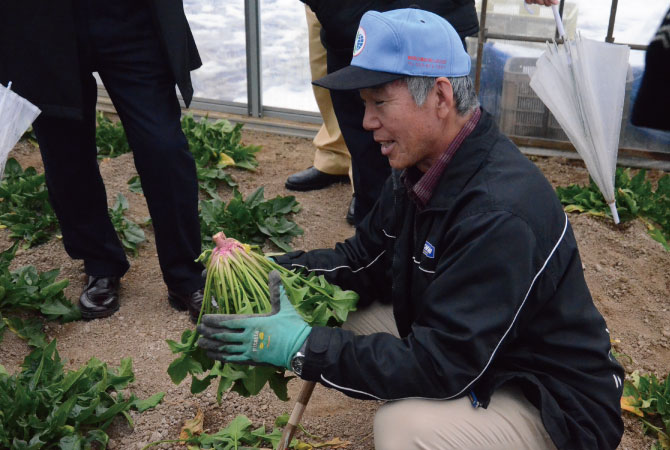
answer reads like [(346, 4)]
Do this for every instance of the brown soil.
[(626, 270)]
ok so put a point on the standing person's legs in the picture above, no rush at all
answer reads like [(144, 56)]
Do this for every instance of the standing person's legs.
[(369, 167), (331, 158), (332, 155), (76, 190), (510, 422), (134, 69)]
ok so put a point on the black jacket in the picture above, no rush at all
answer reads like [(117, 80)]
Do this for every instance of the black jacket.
[(38, 51), (339, 19), (651, 103), (487, 288)]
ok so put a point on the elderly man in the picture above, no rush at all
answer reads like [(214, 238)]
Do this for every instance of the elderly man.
[(498, 343)]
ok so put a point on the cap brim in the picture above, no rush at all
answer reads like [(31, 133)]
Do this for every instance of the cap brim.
[(354, 77)]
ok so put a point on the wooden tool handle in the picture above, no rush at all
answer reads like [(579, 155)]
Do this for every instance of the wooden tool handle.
[(296, 415)]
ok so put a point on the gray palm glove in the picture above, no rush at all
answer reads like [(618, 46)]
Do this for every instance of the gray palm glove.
[(272, 338)]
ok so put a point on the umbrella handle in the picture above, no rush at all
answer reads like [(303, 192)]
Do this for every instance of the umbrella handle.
[(559, 22), (557, 18)]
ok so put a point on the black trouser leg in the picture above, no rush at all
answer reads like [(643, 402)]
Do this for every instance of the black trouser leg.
[(76, 190), (369, 167), (135, 72)]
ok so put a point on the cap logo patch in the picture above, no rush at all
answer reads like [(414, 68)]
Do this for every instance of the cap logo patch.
[(359, 42)]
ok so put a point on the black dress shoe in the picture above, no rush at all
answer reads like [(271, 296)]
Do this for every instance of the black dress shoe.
[(100, 297), (311, 179), (191, 302), (350, 211)]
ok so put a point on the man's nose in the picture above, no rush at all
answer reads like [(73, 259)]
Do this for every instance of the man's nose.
[(370, 120)]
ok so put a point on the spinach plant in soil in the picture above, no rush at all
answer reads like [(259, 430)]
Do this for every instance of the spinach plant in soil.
[(216, 146), (237, 283), (27, 289), (238, 434), (635, 198), (648, 398), (24, 205), (44, 406), (252, 220), (110, 137), (130, 234)]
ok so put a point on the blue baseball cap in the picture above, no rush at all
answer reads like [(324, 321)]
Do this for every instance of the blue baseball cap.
[(399, 43)]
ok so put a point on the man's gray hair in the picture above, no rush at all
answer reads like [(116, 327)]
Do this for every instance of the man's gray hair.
[(464, 91)]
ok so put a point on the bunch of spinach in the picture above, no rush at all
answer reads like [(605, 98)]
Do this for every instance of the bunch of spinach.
[(252, 220), (237, 283), (27, 289), (635, 198), (44, 406), (24, 205), (110, 137), (649, 398), (130, 234)]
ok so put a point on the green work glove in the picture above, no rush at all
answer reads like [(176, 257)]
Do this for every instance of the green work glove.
[(255, 339)]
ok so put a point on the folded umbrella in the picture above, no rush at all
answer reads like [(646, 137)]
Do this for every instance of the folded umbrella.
[(583, 83), (16, 115)]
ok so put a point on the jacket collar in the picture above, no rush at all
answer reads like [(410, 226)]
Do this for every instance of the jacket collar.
[(467, 160)]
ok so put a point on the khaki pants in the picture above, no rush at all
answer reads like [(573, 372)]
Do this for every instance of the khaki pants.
[(331, 156), (510, 422)]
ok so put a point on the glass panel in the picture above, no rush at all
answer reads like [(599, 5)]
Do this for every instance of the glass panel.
[(284, 56), (218, 29)]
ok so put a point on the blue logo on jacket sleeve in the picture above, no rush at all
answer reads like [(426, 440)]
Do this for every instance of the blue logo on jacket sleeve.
[(429, 250)]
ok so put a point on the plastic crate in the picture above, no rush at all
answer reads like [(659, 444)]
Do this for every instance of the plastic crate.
[(524, 114), (522, 111)]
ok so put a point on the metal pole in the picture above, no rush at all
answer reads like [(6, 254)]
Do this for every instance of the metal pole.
[(481, 39), (253, 46), (610, 27)]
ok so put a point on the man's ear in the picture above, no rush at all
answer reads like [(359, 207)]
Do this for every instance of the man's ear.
[(445, 96)]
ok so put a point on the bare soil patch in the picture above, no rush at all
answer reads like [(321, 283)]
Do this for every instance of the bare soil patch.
[(626, 271)]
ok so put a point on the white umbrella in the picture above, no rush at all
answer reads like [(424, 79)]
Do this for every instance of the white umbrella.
[(583, 84), (16, 115)]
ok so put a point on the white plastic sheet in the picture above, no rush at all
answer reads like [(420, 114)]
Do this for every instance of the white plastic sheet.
[(16, 115), (583, 84)]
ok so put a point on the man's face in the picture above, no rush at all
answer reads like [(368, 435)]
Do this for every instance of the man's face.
[(408, 133)]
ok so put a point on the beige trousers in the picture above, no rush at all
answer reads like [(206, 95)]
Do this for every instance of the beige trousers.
[(332, 155), (510, 422)]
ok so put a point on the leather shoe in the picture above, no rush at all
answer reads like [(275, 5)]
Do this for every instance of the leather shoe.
[(312, 179), (191, 302), (350, 211), (100, 297)]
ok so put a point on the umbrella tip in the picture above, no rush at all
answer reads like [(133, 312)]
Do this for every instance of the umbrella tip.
[(615, 213)]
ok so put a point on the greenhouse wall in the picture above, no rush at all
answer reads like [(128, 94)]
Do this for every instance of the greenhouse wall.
[(280, 86)]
